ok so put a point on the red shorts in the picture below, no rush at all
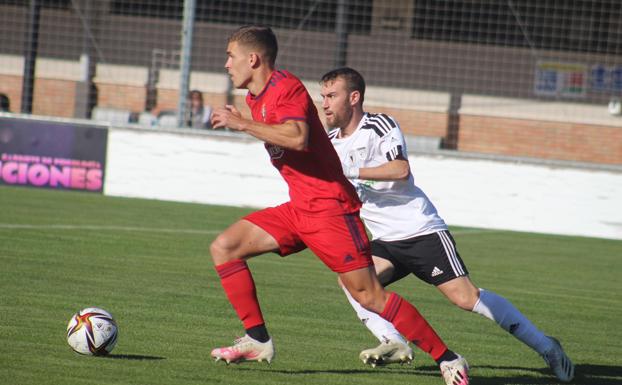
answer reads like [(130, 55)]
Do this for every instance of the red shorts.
[(340, 241)]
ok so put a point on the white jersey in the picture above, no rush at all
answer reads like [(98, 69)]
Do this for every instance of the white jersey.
[(392, 210)]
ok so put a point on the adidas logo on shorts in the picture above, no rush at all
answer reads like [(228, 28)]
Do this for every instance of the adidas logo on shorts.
[(436, 271)]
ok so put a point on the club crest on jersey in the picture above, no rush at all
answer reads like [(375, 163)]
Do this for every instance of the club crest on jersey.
[(263, 112), (275, 151), (361, 152), (357, 155)]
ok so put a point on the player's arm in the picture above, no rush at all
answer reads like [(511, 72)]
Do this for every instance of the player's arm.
[(397, 169), (393, 147), (291, 134)]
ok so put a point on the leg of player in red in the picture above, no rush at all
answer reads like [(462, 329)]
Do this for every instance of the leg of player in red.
[(230, 250), (246, 239), (363, 285), (342, 244)]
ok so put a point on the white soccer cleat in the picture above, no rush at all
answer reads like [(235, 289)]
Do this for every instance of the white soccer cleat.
[(559, 362), (455, 372), (388, 352), (245, 349)]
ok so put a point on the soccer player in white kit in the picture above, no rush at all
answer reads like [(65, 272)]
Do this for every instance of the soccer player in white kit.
[(408, 235)]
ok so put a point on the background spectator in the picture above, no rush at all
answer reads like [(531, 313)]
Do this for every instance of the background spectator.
[(197, 113), (5, 103)]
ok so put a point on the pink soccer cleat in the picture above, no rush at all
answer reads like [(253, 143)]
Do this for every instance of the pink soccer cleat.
[(245, 349)]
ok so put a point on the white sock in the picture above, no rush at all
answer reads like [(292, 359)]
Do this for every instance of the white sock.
[(500, 310), (380, 327)]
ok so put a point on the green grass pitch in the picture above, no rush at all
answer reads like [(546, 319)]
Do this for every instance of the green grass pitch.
[(148, 263)]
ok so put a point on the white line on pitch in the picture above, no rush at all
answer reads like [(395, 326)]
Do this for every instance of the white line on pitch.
[(475, 231), (14, 226)]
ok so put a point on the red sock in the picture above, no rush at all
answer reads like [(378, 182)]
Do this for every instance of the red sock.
[(239, 286), (408, 321)]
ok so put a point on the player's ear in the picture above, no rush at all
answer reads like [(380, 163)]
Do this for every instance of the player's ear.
[(254, 59), (355, 97)]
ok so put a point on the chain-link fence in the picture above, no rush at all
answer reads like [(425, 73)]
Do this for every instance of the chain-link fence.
[(425, 61)]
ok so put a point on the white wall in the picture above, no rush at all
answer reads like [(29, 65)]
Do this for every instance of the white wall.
[(525, 197), (191, 168), (467, 192)]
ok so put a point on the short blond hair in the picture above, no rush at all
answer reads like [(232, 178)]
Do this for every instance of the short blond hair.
[(259, 37)]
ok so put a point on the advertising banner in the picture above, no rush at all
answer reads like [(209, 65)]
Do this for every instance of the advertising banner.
[(560, 79), (606, 79), (65, 156)]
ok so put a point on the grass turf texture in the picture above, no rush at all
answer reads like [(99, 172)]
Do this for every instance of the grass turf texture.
[(148, 263)]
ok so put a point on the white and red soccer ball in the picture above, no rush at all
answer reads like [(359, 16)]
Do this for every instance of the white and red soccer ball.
[(92, 331)]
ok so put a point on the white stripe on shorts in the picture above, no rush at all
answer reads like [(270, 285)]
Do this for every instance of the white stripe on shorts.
[(451, 253)]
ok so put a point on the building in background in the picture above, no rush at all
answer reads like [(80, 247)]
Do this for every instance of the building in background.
[(529, 78)]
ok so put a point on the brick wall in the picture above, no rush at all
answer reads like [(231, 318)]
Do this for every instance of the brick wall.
[(11, 86), (54, 97), (418, 123), (479, 132), (167, 100), (119, 96), (539, 139), (412, 122)]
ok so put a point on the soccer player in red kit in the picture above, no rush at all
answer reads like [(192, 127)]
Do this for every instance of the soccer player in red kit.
[(322, 213)]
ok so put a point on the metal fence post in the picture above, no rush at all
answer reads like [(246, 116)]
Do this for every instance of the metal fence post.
[(341, 29), (30, 56), (185, 58)]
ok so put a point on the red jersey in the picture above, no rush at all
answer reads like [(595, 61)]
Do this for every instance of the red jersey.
[(317, 186)]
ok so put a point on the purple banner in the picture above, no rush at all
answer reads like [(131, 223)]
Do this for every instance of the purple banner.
[(53, 155)]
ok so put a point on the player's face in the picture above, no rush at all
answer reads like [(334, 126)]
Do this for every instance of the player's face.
[(336, 103), (238, 65), (195, 101)]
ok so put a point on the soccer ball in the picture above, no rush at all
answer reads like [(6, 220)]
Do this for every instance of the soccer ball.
[(92, 331)]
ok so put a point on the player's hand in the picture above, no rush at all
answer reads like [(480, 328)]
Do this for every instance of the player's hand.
[(227, 116), (350, 171)]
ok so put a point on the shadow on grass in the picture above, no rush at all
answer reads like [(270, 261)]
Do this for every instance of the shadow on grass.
[(135, 357), (585, 374), (327, 371)]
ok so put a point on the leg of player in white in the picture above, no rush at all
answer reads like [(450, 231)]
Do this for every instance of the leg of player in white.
[(393, 347), (380, 328), (467, 296)]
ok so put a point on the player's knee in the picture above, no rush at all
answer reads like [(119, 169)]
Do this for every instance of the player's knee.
[(222, 250), (370, 300), (465, 299), (367, 301), (215, 251)]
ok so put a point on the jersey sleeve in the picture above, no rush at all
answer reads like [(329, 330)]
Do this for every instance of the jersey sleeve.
[(293, 103), (393, 144)]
